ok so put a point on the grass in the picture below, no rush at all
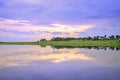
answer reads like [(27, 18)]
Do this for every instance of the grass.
[(104, 43), (107, 43)]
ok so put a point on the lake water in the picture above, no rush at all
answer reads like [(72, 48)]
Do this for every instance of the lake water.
[(32, 62)]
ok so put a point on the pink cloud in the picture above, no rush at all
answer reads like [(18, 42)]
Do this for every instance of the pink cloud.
[(26, 26)]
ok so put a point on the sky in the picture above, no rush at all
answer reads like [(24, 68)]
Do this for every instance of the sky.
[(32, 20)]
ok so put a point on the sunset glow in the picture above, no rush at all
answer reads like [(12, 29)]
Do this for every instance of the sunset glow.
[(31, 20), (27, 58)]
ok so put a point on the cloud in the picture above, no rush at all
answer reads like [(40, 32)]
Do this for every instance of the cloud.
[(58, 17), (14, 2), (4, 21), (64, 11), (24, 27)]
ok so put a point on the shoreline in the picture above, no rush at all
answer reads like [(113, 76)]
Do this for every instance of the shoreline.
[(79, 43)]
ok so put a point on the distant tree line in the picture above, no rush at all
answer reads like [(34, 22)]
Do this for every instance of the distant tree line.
[(42, 40), (112, 37), (105, 37)]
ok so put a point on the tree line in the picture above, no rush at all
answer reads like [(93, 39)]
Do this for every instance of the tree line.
[(105, 37), (112, 37)]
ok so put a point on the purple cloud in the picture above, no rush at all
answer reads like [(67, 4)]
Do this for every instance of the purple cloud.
[(37, 16)]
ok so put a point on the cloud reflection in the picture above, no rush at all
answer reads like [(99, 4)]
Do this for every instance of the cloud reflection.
[(54, 56)]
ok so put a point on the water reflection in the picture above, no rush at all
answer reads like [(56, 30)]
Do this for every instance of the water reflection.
[(48, 54), (24, 59), (17, 55), (27, 62), (87, 47)]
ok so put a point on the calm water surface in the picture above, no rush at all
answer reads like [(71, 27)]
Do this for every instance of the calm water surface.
[(27, 62)]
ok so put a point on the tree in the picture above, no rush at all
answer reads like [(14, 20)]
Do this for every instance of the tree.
[(117, 36), (86, 38), (89, 38), (43, 40), (111, 37), (105, 37), (96, 37)]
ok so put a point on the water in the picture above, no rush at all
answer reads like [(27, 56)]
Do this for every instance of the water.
[(30, 62)]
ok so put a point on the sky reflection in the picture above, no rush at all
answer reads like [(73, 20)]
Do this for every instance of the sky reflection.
[(17, 55), (26, 58), (28, 62)]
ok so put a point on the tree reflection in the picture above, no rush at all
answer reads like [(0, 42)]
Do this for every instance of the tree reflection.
[(87, 47)]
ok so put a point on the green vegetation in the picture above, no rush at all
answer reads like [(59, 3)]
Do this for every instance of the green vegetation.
[(107, 43), (103, 41), (112, 37)]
